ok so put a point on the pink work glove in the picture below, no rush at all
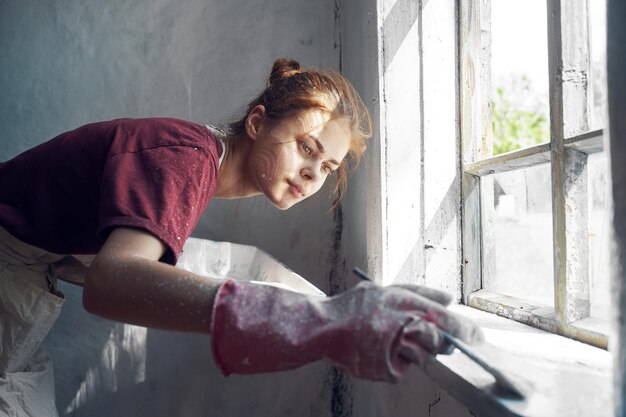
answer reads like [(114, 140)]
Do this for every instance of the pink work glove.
[(370, 332)]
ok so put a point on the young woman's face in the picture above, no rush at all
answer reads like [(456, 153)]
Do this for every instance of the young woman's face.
[(291, 159)]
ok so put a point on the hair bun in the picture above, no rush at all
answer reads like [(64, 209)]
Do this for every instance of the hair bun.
[(283, 68)]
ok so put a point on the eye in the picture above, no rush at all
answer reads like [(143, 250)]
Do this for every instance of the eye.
[(305, 148), (326, 169)]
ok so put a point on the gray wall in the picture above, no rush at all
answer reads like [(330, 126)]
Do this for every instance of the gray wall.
[(68, 62), (616, 60)]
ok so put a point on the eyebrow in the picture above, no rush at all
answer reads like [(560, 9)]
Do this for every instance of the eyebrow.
[(320, 147)]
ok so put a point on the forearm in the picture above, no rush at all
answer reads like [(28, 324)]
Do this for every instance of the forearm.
[(148, 293)]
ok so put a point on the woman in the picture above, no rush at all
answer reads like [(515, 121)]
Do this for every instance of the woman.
[(130, 191)]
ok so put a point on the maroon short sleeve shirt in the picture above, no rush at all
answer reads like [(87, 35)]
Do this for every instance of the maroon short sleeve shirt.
[(67, 194)]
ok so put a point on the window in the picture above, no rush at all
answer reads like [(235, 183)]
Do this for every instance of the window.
[(535, 178)]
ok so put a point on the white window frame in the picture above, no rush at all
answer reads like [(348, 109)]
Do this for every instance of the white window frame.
[(567, 153)]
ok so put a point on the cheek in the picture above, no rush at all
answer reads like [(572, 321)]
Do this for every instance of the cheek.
[(266, 162)]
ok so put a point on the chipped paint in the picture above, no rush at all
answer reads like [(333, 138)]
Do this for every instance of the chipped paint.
[(539, 316)]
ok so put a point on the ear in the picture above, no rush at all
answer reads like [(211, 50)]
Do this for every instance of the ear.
[(254, 121)]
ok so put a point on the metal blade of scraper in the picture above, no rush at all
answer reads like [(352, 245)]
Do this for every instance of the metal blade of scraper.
[(503, 382)]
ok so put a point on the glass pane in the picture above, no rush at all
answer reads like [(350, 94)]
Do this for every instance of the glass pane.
[(519, 74), (599, 223), (522, 232), (597, 19)]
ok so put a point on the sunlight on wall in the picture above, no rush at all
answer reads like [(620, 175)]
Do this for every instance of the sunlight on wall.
[(122, 362)]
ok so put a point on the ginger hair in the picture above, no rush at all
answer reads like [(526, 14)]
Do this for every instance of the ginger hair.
[(292, 89)]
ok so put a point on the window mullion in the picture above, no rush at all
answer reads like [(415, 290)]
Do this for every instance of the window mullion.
[(568, 50)]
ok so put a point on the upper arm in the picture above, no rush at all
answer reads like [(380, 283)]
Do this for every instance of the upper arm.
[(109, 271), (124, 242)]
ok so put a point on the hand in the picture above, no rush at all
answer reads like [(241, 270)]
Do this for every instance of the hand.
[(369, 331)]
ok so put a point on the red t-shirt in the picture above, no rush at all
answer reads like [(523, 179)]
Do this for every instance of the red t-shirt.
[(66, 194)]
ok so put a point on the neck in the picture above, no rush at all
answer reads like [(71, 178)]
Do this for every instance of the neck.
[(235, 181)]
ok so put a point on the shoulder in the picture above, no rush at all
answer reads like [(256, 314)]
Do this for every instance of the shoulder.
[(137, 135)]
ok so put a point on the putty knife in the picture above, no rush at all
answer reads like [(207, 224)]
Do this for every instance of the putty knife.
[(503, 382)]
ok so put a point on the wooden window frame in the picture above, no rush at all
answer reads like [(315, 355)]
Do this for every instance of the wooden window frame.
[(567, 153)]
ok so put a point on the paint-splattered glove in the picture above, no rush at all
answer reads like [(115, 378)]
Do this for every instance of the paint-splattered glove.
[(370, 332)]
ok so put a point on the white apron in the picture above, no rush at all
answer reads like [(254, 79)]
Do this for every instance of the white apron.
[(29, 306)]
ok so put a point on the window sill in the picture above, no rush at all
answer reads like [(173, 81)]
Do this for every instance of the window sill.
[(589, 330), (565, 377)]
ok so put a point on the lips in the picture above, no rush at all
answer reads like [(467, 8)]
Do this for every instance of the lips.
[(295, 189)]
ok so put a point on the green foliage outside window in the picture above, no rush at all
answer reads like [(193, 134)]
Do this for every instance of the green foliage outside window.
[(513, 126)]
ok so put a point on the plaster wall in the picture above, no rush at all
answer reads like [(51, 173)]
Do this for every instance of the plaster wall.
[(401, 118), (441, 226), (408, 188), (66, 63)]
